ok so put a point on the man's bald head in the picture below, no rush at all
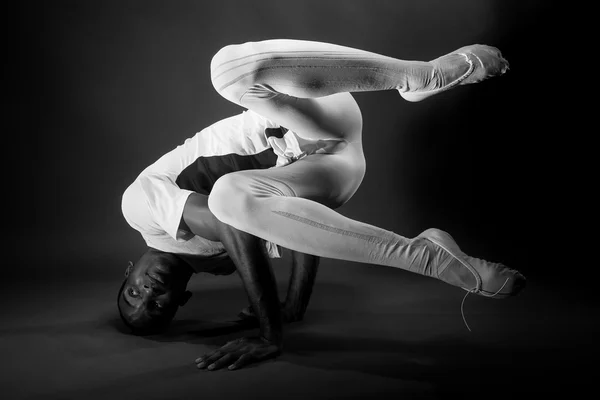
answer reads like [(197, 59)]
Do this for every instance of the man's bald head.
[(153, 291)]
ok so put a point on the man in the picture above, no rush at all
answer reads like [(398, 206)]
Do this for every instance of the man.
[(299, 108), (160, 200)]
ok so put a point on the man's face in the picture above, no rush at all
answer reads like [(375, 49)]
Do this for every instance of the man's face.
[(154, 289)]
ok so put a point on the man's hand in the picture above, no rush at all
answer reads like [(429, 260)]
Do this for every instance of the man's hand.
[(239, 353)]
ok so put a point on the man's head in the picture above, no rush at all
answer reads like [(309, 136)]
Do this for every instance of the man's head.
[(153, 290)]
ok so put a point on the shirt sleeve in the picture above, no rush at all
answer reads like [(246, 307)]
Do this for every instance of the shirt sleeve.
[(166, 202)]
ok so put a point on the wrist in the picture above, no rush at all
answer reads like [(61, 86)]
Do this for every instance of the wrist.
[(272, 332), (293, 306), (275, 339)]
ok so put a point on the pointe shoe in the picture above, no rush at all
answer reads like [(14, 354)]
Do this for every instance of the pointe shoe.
[(483, 62), (473, 274)]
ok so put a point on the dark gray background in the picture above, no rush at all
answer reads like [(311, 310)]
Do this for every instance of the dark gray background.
[(96, 91), (102, 89)]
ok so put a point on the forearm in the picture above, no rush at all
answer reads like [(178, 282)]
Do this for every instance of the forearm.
[(198, 219), (252, 263), (302, 279)]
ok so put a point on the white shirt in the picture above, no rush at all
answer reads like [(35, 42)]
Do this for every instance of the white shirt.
[(153, 204)]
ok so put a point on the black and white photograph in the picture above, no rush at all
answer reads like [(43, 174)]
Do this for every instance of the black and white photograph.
[(297, 199)]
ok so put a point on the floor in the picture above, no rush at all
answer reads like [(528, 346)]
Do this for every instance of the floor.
[(370, 332)]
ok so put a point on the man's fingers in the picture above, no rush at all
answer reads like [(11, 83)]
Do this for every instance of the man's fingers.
[(200, 362), (244, 359), (223, 361), (239, 353), (231, 345), (207, 358), (215, 356)]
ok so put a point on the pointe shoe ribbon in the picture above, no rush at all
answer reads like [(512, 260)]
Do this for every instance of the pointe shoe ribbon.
[(472, 274)]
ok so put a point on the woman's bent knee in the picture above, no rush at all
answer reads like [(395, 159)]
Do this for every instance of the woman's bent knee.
[(233, 71), (229, 201)]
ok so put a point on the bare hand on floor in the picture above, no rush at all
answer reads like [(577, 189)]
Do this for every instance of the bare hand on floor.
[(239, 353)]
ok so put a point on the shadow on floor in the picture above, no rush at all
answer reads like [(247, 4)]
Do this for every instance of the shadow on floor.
[(412, 342)]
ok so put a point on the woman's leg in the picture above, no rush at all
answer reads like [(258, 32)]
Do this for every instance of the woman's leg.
[(302, 86), (281, 78), (293, 206)]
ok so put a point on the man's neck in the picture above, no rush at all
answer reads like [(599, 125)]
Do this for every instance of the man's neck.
[(219, 264)]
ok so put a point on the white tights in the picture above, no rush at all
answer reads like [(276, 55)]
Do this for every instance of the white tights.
[(304, 86)]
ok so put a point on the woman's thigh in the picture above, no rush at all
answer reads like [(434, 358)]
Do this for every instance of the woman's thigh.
[(329, 179), (336, 116)]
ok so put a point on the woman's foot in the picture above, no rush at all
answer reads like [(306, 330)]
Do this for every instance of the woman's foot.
[(469, 64), (472, 274)]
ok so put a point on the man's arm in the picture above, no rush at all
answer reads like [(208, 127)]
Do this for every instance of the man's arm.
[(249, 255), (300, 287), (198, 219), (252, 263)]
